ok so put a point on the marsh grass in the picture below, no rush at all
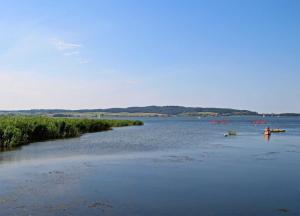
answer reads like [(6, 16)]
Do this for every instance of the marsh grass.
[(20, 130)]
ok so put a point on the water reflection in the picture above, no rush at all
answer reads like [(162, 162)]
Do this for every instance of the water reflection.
[(6, 149), (267, 137), (10, 156)]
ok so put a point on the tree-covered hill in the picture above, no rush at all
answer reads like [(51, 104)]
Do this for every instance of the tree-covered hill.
[(167, 110)]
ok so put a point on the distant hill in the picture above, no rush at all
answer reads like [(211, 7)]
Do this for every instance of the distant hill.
[(176, 110), (166, 110)]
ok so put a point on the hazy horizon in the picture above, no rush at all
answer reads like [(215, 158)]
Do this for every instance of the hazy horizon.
[(103, 54)]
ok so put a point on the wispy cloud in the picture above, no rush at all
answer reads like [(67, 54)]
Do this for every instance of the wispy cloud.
[(63, 46), (70, 49)]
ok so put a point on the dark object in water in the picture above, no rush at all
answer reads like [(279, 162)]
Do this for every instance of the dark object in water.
[(278, 130), (230, 133)]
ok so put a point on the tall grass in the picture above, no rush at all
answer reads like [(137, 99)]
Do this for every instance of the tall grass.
[(20, 130)]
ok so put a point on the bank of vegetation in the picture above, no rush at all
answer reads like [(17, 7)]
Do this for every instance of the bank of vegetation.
[(20, 130)]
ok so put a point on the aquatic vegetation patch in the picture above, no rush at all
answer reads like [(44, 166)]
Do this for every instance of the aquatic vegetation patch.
[(283, 210), (20, 130), (100, 205), (267, 156)]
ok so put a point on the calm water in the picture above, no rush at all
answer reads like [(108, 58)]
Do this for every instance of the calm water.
[(169, 166)]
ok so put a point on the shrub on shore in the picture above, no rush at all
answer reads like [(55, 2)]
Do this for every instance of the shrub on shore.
[(20, 130)]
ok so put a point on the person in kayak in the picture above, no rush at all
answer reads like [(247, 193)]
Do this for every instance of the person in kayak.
[(267, 131)]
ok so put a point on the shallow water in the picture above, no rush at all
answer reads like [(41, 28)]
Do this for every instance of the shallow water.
[(169, 166)]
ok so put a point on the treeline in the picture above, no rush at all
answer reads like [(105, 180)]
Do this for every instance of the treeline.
[(176, 110), (167, 110), (20, 130), (287, 114)]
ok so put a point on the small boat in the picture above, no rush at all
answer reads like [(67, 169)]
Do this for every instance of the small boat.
[(230, 133), (278, 130)]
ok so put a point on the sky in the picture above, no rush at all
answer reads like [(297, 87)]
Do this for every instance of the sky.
[(242, 54)]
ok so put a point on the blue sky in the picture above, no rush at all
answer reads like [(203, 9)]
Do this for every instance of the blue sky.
[(119, 53)]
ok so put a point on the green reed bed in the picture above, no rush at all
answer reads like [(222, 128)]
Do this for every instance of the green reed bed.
[(20, 130)]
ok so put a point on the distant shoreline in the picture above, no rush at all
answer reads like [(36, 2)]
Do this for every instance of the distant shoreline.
[(146, 111)]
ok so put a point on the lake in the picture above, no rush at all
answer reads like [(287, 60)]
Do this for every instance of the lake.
[(170, 166)]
